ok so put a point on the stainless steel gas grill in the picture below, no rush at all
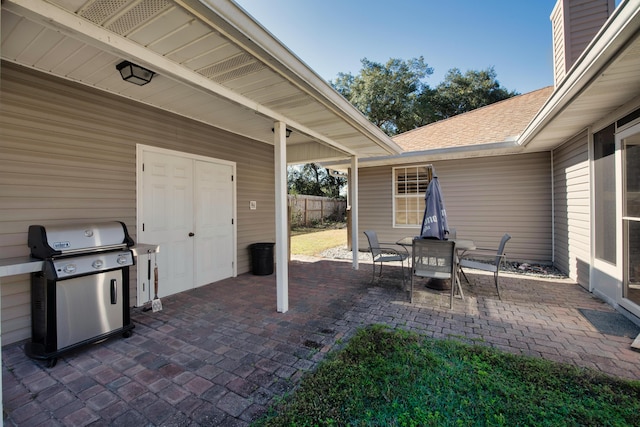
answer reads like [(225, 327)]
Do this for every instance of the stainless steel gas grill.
[(82, 294)]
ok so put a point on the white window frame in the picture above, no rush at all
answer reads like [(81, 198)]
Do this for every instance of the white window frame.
[(419, 194)]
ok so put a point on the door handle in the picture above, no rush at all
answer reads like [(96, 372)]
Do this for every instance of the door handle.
[(191, 234), (114, 291)]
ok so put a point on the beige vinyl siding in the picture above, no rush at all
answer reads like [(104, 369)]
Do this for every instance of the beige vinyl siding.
[(484, 198), (586, 19), (69, 155), (376, 204), (572, 212), (557, 25), (574, 24)]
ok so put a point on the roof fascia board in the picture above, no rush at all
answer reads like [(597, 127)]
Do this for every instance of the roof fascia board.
[(73, 26), (449, 153), (603, 49), (236, 24)]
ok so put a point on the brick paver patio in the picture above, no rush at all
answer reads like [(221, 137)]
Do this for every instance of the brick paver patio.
[(219, 354)]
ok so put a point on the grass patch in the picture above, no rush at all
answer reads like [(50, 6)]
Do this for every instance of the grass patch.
[(387, 377), (313, 243)]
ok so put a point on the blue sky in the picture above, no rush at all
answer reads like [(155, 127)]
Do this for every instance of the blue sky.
[(332, 36)]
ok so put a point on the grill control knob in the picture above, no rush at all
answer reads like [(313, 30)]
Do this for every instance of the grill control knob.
[(122, 260), (69, 268), (97, 263)]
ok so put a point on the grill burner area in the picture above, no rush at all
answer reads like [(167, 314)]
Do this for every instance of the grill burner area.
[(82, 294)]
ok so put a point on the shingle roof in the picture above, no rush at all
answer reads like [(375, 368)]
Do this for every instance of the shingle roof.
[(498, 122)]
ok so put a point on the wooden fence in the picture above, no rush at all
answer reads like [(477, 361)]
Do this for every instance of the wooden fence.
[(309, 210)]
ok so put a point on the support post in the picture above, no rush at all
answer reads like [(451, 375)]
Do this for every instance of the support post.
[(282, 245), (353, 191)]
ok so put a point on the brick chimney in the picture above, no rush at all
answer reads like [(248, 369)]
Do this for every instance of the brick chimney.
[(574, 24)]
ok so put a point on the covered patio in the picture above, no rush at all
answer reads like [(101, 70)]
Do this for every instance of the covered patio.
[(220, 354)]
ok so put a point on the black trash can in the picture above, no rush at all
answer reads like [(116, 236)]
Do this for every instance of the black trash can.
[(262, 258)]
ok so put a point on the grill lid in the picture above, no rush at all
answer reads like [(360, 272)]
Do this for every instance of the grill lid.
[(77, 238)]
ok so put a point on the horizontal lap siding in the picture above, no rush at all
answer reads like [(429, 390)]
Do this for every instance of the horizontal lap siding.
[(69, 155), (375, 205), (572, 209), (484, 198), (574, 25), (586, 18)]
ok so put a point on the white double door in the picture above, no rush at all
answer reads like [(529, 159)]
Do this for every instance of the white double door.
[(187, 208)]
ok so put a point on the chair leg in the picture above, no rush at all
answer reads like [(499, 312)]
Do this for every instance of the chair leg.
[(455, 284), (411, 290), (457, 280), (453, 290), (459, 288), (465, 276), (495, 277)]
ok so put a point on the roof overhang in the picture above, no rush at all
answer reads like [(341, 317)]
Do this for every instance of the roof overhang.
[(604, 78), (214, 64), (425, 156)]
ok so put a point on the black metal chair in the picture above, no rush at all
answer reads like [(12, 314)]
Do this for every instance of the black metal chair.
[(435, 259), (500, 257), (386, 253)]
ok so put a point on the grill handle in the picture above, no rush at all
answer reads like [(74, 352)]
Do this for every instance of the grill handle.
[(114, 291)]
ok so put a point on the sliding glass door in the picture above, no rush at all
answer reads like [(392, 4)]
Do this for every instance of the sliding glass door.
[(631, 218)]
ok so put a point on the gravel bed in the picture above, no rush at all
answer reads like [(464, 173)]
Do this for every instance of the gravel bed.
[(341, 252)]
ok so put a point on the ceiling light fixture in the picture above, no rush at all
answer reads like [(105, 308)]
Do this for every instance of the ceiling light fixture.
[(134, 73)]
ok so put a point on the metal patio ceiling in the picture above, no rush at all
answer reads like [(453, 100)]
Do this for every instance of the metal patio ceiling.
[(214, 64)]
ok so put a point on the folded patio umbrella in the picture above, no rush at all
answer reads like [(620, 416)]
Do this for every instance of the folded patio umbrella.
[(434, 222)]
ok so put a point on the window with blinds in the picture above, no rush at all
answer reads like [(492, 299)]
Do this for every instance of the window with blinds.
[(409, 188)]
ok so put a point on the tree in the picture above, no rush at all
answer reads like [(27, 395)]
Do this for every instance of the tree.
[(313, 180), (460, 93), (395, 97), (388, 94)]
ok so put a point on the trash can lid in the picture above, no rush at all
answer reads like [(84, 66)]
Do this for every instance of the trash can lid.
[(265, 244)]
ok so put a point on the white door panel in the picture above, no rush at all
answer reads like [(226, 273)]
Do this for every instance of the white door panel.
[(168, 218), (214, 216), (183, 196)]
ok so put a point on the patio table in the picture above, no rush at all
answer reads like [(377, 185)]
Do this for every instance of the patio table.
[(462, 245)]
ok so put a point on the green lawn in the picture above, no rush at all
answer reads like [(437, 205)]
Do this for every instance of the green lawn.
[(315, 242), (385, 377)]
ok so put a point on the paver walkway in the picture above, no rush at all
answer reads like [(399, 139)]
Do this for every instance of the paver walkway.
[(219, 354)]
